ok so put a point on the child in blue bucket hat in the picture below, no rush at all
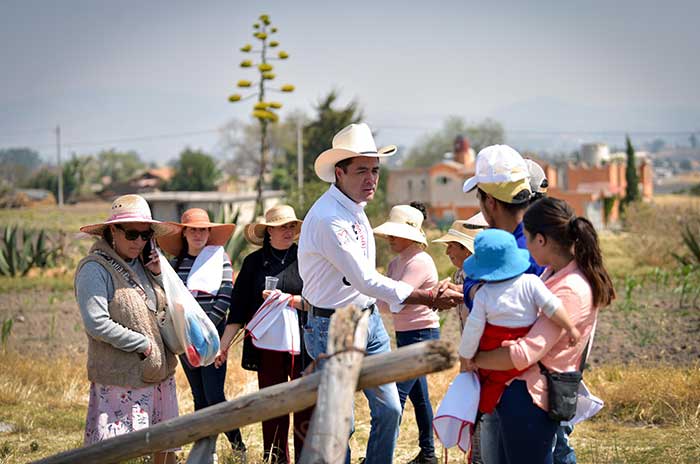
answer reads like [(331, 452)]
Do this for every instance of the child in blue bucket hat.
[(506, 305)]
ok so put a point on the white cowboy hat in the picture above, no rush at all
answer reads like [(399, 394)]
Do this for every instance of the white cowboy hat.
[(132, 208), (405, 222), (275, 216), (354, 140), (462, 233)]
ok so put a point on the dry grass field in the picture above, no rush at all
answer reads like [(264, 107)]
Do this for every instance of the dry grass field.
[(645, 363)]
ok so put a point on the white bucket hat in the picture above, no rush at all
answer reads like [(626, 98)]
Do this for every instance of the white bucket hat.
[(354, 140), (405, 222), (497, 164)]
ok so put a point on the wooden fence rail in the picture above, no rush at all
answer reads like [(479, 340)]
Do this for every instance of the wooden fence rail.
[(403, 364)]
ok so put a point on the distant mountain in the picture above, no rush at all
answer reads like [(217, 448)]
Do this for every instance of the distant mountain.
[(552, 124)]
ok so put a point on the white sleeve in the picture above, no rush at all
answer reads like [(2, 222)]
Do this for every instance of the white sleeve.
[(347, 257), (473, 329), (544, 298)]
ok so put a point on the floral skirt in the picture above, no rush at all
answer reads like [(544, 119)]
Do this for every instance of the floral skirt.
[(114, 410)]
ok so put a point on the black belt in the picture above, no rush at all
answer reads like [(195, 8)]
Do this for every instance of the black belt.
[(324, 312)]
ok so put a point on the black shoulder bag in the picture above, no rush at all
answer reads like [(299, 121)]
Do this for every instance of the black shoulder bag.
[(563, 389)]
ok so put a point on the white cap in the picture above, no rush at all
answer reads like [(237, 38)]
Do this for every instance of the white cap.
[(538, 179), (497, 164)]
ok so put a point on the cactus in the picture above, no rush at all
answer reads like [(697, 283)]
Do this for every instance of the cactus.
[(23, 249)]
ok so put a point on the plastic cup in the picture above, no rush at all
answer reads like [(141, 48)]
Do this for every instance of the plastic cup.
[(271, 283)]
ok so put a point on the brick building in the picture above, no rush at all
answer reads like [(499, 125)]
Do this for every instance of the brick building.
[(593, 188)]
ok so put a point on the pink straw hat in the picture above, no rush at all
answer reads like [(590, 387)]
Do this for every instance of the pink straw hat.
[(131, 208)]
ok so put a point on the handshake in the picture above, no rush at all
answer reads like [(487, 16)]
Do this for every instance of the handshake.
[(444, 295)]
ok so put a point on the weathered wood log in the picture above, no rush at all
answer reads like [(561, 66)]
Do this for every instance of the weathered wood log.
[(327, 438), (403, 364)]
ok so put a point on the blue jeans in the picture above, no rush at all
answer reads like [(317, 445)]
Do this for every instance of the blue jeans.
[(563, 452), (489, 437), (525, 432), (417, 390), (384, 404), (207, 384)]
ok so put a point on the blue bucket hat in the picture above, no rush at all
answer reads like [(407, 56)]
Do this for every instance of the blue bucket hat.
[(496, 257)]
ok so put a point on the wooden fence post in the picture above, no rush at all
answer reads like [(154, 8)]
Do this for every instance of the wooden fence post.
[(403, 364), (327, 438)]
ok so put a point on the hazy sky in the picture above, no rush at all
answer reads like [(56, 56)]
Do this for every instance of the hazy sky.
[(109, 71)]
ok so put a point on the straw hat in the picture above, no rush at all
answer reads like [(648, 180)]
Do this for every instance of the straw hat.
[(462, 233), (405, 222), (275, 216), (131, 208), (353, 140), (196, 218)]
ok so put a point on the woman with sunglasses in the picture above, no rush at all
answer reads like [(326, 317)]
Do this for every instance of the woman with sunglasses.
[(119, 292)]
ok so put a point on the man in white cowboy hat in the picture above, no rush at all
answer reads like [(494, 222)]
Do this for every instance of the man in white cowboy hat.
[(338, 267), (502, 181)]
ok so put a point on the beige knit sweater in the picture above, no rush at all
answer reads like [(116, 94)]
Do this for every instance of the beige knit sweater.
[(108, 365)]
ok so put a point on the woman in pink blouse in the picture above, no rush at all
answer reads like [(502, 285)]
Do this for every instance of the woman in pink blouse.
[(568, 246), (413, 323)]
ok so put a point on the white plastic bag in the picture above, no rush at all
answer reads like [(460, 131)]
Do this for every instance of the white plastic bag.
[(184, 326)]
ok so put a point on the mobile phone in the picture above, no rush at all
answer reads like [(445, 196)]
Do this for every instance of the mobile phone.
[(146, 253)]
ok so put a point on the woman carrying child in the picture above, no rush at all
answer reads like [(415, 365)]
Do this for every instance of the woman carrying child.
[(568, 246)]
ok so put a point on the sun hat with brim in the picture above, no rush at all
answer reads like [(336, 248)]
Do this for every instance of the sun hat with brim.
[(459, 233), (405, 222), (478, 221), (496, 257), (276, 216), (509, 192), (497, 164), (352, 141), (196, 218), (131, 208)]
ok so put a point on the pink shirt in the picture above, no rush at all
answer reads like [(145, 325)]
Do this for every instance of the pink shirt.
[(546, 341), (415, 267)]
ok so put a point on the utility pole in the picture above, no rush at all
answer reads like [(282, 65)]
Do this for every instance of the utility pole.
[(60, 167), (300, 162)]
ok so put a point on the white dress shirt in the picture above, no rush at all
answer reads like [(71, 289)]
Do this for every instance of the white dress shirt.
[(511, 303), (337, 257)]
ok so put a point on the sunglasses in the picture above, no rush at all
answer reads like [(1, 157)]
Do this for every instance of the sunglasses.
[(132, 235)]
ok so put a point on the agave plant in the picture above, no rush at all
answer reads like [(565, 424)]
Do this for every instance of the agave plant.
[(23, 249), (236, 244), (693, 246)]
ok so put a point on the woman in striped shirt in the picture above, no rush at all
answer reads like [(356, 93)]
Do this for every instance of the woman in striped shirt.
[(203, 265)]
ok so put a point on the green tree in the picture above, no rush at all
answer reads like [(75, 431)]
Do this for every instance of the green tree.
[(73, 178), (631, 176), (119, 166), (18, 164), (431, 148), (194, 171), (263, 110)]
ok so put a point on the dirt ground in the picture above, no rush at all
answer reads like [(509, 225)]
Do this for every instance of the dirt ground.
[(649, 333)]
